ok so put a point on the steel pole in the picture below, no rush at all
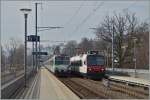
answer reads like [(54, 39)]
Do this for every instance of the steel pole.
[(134, 59), (39, 55), (32, 56), (113, 49), (107, 56), (36, 36), (25, 51)]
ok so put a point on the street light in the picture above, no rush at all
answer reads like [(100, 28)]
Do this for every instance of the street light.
[(134, 59), (25, 12)]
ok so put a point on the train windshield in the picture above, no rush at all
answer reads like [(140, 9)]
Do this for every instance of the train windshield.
[(95, 60), (61, 60)]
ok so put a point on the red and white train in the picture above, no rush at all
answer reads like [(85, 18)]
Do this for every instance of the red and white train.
[(90, 65)]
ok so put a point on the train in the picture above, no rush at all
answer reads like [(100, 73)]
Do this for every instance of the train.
[(90, 65), (58, 65)]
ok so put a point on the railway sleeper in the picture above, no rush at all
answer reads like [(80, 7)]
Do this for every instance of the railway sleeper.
[(131, 93), (144, 92), (101, 94), (85, 91)]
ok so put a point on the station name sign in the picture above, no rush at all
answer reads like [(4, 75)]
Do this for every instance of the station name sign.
[(39, 53), (33, 38)]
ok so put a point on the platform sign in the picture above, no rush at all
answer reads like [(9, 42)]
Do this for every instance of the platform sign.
[(33, 38), (40, 53)]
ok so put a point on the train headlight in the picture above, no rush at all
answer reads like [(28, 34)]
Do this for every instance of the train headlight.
[(102, 69), (89, 69)]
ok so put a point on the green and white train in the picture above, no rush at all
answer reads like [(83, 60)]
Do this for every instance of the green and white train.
[(58, 65)]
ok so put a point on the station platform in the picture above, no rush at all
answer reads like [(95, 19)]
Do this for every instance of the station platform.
[(52, 89), (130, 80)]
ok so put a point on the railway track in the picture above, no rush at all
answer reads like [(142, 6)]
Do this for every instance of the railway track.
[(15, 88), (132, 91), (81, 90), (29, 92), (87, 89)]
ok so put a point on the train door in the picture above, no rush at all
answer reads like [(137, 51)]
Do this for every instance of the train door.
[(83, 67)]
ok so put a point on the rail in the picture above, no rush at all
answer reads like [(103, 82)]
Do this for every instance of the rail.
[(82, 90), (8, 89), (132, 83)]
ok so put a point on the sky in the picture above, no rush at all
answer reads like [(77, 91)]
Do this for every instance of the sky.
[(76, 17)]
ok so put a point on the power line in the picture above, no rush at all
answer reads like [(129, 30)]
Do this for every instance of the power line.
[(75, 14), (125, 9), (54, 41), (88, 16), (72, 5)]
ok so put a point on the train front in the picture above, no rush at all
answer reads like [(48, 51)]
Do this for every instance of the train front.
[(61, 65), (95, 66)]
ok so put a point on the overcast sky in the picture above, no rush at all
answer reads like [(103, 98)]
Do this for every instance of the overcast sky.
[(75, 16)]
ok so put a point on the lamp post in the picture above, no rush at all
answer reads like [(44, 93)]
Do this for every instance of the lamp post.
[(25, 11), (113, 29), (134, 59), (107, 56)]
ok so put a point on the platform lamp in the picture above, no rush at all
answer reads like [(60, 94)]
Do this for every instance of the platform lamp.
[(134, 58), (25, 11)]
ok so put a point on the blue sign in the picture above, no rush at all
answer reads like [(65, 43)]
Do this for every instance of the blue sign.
[(39, 53), (33, 38)]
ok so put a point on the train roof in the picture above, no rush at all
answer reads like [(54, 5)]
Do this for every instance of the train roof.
[(78, 57), (82, 56), (61, 55)]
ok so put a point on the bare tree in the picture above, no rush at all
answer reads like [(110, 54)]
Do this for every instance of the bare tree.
[(70, 48), (131, 33), (15, 51), (120, 25), (142, 51), (57, 50), (19, 57), (3, 60), (11, 49), (85, 45)]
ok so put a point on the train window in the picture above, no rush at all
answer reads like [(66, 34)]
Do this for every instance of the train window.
[(61, 60), (95, 60), (76, 63)]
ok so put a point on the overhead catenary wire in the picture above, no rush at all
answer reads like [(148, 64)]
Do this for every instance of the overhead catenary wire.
[(80, 9), (88, 16), (75, 13), (124, 9)]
